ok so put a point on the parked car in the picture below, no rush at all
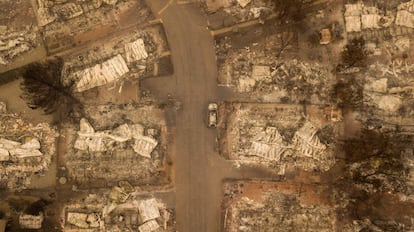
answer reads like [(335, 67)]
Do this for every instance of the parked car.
[(212, 115)]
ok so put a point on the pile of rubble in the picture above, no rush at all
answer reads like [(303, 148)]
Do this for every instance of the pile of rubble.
[(100, 74), (25, 149), (284, 207), (305, 148), (122, 209), (68, 23), (121, 142), (405, 14), (33, 222), (362, 18), (242, 10), (13, 44), (133, 55), (278, 135), (387, 95), (102, 141), (129, 151), (257, 70), (18, 35), (50, 11)]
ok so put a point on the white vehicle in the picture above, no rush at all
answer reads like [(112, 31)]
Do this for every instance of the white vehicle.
[(212, 115)]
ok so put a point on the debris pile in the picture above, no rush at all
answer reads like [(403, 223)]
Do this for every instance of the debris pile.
[(362, 18), (239, 11), (408, 161), (18, 35), (255, 69), (28, 221), (284, 207), (102, 212), (405, 14), (135, 51), (123, 144), (89, 140), (134, 55), (13, 44), (276, 135), (14, 150), (387, 95), (66, 24), (100, 74), (51, 11), (25, 150)]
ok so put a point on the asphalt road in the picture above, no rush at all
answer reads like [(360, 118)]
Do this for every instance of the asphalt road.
[(199, 170)]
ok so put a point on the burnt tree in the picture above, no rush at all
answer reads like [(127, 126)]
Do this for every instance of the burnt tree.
[(43, 88), (354, 54), (290, 10)]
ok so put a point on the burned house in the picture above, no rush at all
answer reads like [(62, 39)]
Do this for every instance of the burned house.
[(28, 221), (132, 56), (100, 74), (20, 41), (89, 140), (236, 11), (102, 212), (278, 206), (277, 135), (66, 24), (264, 74), (25, 150), (103, 153)]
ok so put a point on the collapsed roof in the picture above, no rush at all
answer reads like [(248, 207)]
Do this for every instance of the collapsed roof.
[(28, 221), (89, 140), (100, 74), (15, 149), (148, 209)]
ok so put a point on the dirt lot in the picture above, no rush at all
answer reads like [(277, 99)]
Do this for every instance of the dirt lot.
[(278, 206)]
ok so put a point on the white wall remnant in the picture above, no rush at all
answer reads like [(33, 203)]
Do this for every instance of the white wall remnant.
[(44, 15), (243, 3), (261, 72), (246, 84), (100, 74), (83, 220), (68, 10), (18, 150), (370, 21), (405, 14), (144, 145), (388, 103), (110, 2), (359, 17), (99, 141), (4, 155), (378, 86), (306, 141), (353, 23), (149, 226), (269, 146), (28, 221), (135, 51), (148, 209)]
